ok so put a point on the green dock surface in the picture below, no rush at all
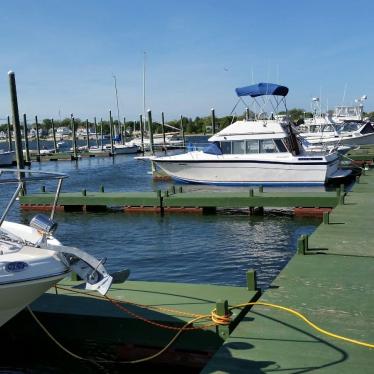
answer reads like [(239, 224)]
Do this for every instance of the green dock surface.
[(332, 285), (90, 325), (195, 199)]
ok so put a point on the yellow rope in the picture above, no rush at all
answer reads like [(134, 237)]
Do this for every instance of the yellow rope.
[(307, 321), (217, 319)]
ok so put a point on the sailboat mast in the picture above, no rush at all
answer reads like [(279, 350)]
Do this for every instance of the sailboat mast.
[(144, 114)]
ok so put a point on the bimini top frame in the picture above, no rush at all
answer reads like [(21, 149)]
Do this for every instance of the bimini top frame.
[(266, 91)]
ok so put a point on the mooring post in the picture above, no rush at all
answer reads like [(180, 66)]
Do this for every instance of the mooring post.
[(182, 130), (84, 192), (180, 189), (54, 136), (97, 138), (16, 127), (251, 280), (102, 188), (261, 189), (124, 131), (10, 143), (72, 121), (163, 129), (222, 310), (101, 133), (37, 137), (301, 245), (111, 133), (141, 132), (342, 194), (150, 125), (326, 218), (251, 192), (25, 131), (87, 135), (213, 121)]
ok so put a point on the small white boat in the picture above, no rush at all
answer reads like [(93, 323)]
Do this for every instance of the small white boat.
[(32, 260), (6, 158), (123, 149), (264, 151)]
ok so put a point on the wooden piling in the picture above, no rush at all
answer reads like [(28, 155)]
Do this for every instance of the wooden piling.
[(213, 121), (101, 133), (87, 135), (111, 133), (182, 130), (123, 137), (37, 137), (97, 138), (163, 128), (10, 143), (72, 121), (150, 131), (16, 125), (26, 140), (54, 135)]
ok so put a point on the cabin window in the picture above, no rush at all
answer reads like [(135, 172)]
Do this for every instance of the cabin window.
[(368, 129), (280, 145), (267, 146), (238, 147), (252, 146), (226, 147)]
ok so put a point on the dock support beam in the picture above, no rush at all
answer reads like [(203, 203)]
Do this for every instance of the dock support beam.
[(25, 131)]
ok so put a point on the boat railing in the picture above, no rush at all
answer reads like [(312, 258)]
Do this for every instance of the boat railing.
[(23, 176)]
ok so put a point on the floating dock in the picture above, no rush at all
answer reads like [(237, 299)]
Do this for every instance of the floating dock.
[(175, 200), (331, 283)]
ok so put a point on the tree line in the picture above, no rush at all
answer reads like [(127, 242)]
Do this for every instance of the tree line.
[(198, 125)]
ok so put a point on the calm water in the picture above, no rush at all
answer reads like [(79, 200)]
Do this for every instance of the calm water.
[(216, 249), (172, 247)]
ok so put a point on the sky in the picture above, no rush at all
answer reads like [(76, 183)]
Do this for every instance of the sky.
[(65, 54)]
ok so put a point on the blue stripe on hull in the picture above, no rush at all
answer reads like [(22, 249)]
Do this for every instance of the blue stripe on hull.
[(298, 184)]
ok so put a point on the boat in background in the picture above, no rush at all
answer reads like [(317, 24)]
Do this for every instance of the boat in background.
[(345, 127), (6, 158), (263, 151), (32, 260)]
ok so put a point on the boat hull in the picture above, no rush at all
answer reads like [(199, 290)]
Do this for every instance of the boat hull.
[(18, 295), (249, 172), (6, 158), (364, 139)]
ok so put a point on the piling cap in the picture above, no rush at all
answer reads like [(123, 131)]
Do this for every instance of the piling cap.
[(10, 72)]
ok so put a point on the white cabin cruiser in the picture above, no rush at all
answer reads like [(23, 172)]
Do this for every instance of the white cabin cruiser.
[(264, 151), (32, 260)]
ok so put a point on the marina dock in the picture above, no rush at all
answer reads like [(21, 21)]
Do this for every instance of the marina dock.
[(332, 285), (328, 281), (174, 200)]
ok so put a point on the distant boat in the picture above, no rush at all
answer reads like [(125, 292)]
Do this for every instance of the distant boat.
[(345, 127), (264, 151), (6, 158)]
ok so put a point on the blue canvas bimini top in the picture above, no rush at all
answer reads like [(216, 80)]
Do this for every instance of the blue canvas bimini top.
[(262, 89)]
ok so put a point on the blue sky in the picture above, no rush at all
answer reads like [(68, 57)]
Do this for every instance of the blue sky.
[(64, 54)]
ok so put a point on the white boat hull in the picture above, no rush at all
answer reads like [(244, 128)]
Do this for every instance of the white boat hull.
[(18, 295), (365, 139), (299, 171)]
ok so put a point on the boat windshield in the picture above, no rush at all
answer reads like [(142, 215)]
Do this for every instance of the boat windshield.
[(350, 126)]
